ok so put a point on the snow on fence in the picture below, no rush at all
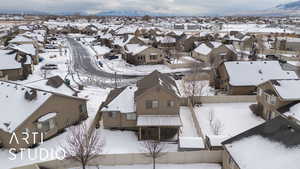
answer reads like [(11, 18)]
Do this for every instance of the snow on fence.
[(203, 156), (220, 99)]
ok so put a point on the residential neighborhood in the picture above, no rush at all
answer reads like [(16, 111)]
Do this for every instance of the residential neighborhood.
[(84, 91)]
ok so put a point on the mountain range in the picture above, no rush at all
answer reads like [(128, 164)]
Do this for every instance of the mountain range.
[(288, 9)]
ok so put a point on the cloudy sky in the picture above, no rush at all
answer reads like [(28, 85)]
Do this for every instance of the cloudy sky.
[(187, 7)]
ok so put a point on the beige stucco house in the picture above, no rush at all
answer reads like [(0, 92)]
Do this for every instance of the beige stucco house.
[(151, 107), (141, 55), (36, 114)]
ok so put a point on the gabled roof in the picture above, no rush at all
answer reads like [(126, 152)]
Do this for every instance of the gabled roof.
[(20, 39), (8, 60), (157, 79), (24, 48), (271, 145), (15, 108), (121, 100), (253, 73), (203, 49), (135, 48), (287, 89)]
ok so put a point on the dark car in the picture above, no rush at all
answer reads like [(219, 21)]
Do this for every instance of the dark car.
[(112, 57), (49, 67), (100, 64)]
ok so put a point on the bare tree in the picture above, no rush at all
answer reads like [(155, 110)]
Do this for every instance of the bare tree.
[(83, 145), (211, 116), (216, 127), (153, 149), (193, 86)]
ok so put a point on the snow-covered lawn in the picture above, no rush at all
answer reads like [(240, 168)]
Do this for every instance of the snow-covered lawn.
[(188, 128), (188, 134), (162, 166), (228, 119), (120, 142)]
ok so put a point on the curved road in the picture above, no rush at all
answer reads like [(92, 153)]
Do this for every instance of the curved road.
[(83, 61)]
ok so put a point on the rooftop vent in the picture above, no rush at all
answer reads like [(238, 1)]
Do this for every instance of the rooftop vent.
[(31, 95)]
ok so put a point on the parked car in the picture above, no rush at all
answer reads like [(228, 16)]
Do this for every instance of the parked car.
[(112, 57), (49, 67), (100, 63)]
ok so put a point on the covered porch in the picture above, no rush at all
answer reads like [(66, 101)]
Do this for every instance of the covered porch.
[(158, 127)]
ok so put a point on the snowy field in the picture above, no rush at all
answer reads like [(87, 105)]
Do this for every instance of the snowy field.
[(253, 28), (161, 166), (224, 120)]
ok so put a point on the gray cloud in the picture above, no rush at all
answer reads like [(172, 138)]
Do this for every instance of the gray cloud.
[(190, 7)]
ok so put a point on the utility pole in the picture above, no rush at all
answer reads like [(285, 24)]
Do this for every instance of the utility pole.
[(116, 85)]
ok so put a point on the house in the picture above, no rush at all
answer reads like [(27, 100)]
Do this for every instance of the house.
[(271, 145), (275, 97), (14, 66), (26, 49), (202, 53), (286, 43), (140, 54), (27, 111), (242, 77), (222, 53), (151, 107)]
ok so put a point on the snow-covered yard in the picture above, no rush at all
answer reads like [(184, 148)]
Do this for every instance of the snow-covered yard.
[(188, 134), (162, 166), (224, 120)]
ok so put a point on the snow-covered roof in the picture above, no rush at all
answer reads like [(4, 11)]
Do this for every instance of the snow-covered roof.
[(14, 107), (159, 120), (8, 61), (294, 111), (203, 49), (25, 48), (191, 143), (20, 39), (135, 48), (42, 84), (252, 73), (101, 50), (124, 102), (259, 152), (288, 89), (216, 44)]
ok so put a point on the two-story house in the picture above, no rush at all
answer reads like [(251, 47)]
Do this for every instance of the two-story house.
[(275, 96), (242, 77), (151, 107)]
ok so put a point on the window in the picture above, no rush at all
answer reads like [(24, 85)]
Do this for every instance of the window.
[(82, 108), (148, 104), (113, 114), (51, 123), (151, 104), (131, 116), (260, 91), (271, 99), (20, 71), (155, 104), (153, 57), (171, 103), (1, 73)]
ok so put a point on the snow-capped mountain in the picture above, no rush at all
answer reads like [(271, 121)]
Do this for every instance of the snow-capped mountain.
[(288, 9)]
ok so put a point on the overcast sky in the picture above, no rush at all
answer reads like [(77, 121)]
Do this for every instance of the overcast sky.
[(188, 7)]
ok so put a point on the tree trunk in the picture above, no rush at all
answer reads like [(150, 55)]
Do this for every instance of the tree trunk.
[(83, 166), (153, 162)]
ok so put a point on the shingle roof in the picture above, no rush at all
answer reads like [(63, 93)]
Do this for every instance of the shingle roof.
[(278, 129)]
